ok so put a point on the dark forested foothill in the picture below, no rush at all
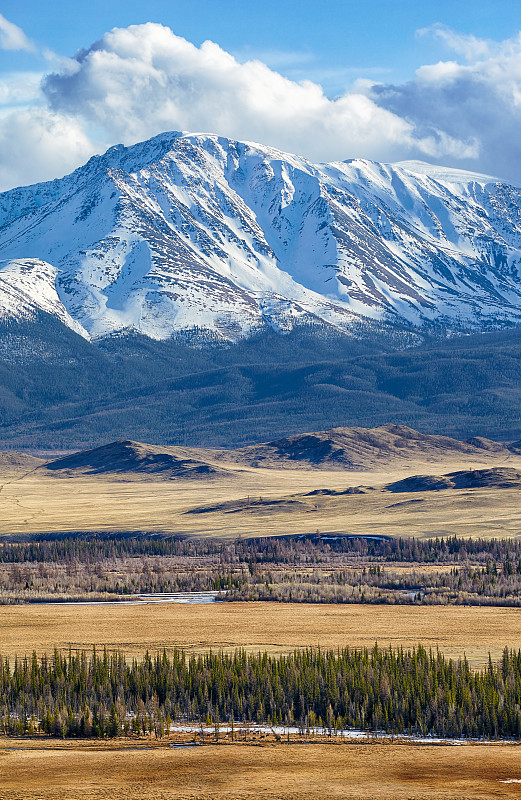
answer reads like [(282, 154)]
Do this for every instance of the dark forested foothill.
[(62, 392), (396, 691)]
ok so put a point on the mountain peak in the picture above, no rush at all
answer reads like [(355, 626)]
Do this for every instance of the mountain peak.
[(196, 231)]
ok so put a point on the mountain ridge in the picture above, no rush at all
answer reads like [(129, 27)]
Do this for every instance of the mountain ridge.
[(196, 231)]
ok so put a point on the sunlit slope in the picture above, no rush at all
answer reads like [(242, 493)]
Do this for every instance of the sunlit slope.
[(198, 231)]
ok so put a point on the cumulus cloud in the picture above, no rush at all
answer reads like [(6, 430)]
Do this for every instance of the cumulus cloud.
[(477, 101), (37, 144), (139, 81), (18, 88), (12, 37)]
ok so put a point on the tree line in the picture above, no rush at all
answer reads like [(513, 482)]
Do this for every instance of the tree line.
[(397, 691), (310, 569), (277, 549)]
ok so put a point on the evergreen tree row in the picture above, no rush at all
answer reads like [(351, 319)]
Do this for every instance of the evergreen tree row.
[(397, 691), (283, 550)]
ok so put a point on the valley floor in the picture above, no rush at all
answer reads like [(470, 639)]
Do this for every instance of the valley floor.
[(77, 770), (261, 502), (474, 631), (258, 502)]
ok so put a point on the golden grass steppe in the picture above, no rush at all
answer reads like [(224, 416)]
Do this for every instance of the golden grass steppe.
[(37, 502), (274, 627), (235, 772)]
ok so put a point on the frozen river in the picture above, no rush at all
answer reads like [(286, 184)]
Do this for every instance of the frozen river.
[(143, 599)]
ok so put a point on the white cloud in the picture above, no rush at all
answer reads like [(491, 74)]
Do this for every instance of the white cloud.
[(12, 37), (440, 74), (20, 87), (139, 81), (478, 102), (37, 144), (467, 45)]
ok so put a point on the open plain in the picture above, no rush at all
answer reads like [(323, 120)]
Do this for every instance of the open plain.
[(272, 627), (87, 771), (261, 502), (244, 500)]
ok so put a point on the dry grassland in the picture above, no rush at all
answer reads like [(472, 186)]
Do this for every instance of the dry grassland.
[(274, 627), (234, 772), (37, 502)]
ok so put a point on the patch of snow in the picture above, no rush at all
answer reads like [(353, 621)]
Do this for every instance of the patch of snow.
[(445, 174)]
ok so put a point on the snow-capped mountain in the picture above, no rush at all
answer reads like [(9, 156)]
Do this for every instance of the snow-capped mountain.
[(199, 231)]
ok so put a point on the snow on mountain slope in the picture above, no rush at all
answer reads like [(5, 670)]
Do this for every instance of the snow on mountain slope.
[(195, 230), (27, 285)]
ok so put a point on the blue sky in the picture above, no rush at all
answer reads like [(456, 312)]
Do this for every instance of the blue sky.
[(439, 81), (344, 38)]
